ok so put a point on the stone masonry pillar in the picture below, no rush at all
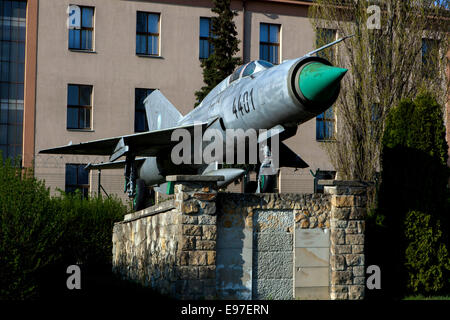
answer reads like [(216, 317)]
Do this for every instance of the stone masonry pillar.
[(196, 255), (347, 226)]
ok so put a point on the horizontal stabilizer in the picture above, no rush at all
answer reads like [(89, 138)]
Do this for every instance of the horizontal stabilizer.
[(160, 112), (144, 144), (111, 165)]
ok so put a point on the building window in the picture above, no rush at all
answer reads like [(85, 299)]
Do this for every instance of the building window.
[(325, 125), (206, 48), (323, 37), (77, 179), (140, 118), (269, 42), (430, 57), (147, 33), (12, 70), (79, 106), (80, 38)]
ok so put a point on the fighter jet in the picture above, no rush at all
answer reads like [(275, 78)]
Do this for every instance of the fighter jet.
[(258, 95)]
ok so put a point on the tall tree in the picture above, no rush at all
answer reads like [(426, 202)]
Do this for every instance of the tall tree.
[(222, 61), (399, 47)]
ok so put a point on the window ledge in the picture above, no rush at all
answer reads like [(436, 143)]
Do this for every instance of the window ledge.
[(148, 56), (83, 51), (80, 130), (326, 140)]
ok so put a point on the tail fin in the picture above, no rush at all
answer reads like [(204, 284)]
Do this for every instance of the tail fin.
[(160, 112)]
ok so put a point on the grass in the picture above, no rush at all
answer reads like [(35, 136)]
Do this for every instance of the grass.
[(421, 297)]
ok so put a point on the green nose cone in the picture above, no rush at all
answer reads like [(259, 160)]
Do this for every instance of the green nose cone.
[(319, 82)]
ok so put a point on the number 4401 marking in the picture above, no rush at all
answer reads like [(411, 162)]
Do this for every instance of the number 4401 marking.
[(243, 104)]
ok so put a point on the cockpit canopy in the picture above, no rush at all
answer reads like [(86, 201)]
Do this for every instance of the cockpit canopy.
[(249, 69), (243, 71)]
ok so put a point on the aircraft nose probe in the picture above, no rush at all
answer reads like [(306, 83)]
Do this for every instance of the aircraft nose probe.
[(319, 83)]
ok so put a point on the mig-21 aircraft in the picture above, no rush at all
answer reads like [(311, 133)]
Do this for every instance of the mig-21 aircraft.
[(258, 96)]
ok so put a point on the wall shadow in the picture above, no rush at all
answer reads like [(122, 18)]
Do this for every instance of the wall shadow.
[(234, 249), (411, 180), (98, 282)]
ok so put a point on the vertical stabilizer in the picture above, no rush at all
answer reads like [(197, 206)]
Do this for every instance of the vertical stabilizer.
[(160, 112)]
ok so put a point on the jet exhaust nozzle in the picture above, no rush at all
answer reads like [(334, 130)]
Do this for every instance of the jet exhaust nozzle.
[(319, 83)]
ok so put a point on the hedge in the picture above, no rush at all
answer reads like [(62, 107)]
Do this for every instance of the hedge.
[(38, 231)]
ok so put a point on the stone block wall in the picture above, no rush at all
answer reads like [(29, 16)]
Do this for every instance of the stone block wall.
[(205, 244), (196, 205), (348, 211), (172, 246), (311, 247), (255, 245), (145, 247), (272, 254)]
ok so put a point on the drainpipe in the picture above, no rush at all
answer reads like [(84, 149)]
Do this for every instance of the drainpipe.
[(243, 30)]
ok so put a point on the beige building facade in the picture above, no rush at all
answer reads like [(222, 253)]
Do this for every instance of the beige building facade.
[(113, 70), (81, 82), (102, 58)]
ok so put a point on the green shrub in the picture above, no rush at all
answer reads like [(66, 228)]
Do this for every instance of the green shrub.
[(38, 231), (29, 231), (427, 259), (413, 195), (415, 156), (418, 124), (87, 227)]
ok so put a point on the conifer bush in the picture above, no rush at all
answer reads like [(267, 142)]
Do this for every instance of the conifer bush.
[(413, 195), (427, 258)]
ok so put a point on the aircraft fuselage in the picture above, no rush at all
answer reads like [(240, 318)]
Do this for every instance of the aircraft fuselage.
[(261, 100)]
